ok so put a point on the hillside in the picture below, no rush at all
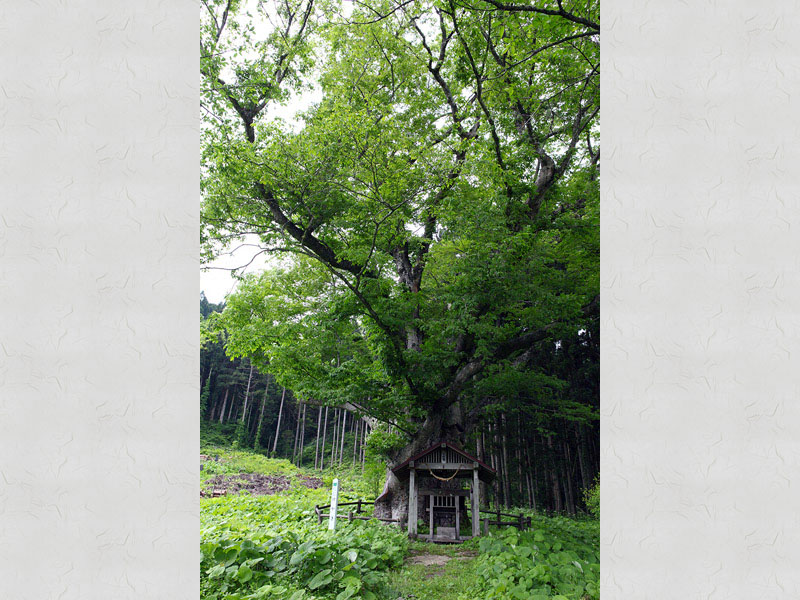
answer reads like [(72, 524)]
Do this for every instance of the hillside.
[(261, 540)]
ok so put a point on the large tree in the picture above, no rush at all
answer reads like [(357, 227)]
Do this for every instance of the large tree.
[(436, 209)]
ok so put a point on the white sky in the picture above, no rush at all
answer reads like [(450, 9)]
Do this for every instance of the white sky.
[(217, 282)]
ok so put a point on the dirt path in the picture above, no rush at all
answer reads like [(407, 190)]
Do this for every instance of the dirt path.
[(428, 560), (434, 575)]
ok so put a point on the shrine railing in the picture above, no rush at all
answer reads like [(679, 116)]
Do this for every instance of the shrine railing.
[(318, 510), (519, 520)]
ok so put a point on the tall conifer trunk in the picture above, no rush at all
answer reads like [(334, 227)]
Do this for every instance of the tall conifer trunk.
[(297, 430), (341, 440), (247, 394), (278, 427), (302, 436), (324, 434), (316, 442), (224, 404), (257, 442)]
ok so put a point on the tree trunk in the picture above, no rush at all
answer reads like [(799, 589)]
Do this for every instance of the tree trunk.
[(297, 430), (498, 459), (205, 396), (230, 408), (493, 463), (585, 480), (529, 478), (355, 441), (316, 442), (247, 394), (302, 437), (344, 427), (557, 499), (324, 434), (481, 448), (334, 433), (568, 489), (506, 470), (534, 478), (261, 417), (439, 426), (224, 404), (278, 428), (364, 447)]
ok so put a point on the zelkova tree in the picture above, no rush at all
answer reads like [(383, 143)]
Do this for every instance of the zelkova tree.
[(435, 211)]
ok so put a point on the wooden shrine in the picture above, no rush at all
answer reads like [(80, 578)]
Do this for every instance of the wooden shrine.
[(437, 492)]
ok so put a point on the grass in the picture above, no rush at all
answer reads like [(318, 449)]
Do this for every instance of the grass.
[(451, 581), (257, 547)]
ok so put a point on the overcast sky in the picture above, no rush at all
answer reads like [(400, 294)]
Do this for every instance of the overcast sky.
[(217, 282)]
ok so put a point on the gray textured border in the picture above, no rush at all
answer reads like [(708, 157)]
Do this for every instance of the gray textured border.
[(700, 298), (99, 188), (98, 283)]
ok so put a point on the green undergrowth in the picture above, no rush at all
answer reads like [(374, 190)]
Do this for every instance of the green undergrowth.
[(272, 547), (453, 581), (230, 461), (558, 558)]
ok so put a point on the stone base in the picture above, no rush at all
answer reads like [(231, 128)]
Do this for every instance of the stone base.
[(446, 532)]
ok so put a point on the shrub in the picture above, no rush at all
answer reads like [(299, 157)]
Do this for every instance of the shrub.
[(591, 496)]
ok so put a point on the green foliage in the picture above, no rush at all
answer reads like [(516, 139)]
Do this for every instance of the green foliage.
[(591, 497), (204, 397), (454, 581), (431, 218), (353, 484), (255, 547), (558, 559), (383, 443), (213, 434), (248, 543), (241, 461), (273, 547), (374, 476), (427, 152)]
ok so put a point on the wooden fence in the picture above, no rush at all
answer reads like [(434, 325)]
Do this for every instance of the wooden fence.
[(349, 516), (520, 521)]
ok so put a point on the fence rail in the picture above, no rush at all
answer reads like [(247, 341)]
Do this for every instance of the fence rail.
[(349, 515), (520, 520)]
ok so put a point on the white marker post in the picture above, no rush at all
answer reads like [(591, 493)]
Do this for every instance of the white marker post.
[(334, 505)]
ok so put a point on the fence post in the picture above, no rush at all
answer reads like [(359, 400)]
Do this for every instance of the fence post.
[(350, 516), (485, 525), (359, 506), (334, 505), (521, 522)]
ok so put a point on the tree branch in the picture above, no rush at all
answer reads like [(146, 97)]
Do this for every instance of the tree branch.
[(545, 11)]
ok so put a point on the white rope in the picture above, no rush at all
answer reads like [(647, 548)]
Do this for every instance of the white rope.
[(445, 478)]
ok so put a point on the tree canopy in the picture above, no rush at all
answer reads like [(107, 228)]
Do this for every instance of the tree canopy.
[(435, 211)]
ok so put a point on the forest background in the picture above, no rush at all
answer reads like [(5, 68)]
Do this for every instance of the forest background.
[(436, 218)]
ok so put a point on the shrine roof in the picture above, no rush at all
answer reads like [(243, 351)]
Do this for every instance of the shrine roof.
[(439, 453)]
